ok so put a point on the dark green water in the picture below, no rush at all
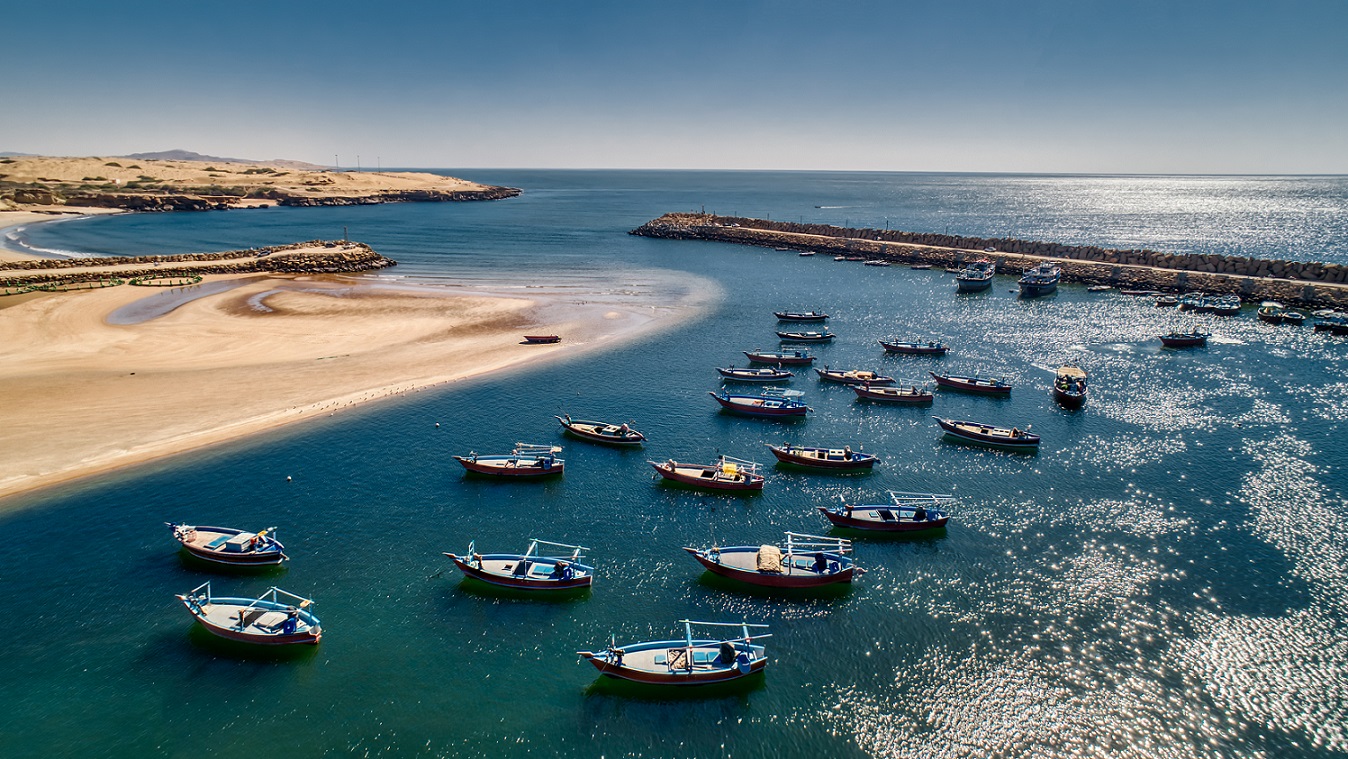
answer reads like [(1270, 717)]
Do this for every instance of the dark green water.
[(1166, 578)]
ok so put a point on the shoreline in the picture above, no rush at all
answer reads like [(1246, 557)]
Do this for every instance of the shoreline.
[(15, 220), (279, 349)]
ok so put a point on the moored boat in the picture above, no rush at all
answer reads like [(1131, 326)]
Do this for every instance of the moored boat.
[(909, 392), (908, 512), (785, 358), (726, 474), (1270, 311), (1191, 339), (801, 316), (976, 433), (527, 460), (1041, 280), (766, 374), (690, 661), (1293, 318), (975, 277), (542, 339), (806, 561), (878, 262), (228, 545), (982, 385), (831, 459), (530, 570), (601, 432), (1167, 301), (1099, 288), (276, 618), (929, 348), (853, 377), (1226, 305), (770, 402), (1069, 386), (806, 337)]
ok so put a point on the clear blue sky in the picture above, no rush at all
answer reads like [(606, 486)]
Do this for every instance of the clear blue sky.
[(1173, 86)]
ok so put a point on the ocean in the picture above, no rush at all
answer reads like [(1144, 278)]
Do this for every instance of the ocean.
[(1168, 577)]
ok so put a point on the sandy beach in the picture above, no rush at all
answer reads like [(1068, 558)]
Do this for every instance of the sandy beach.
[(103, 379)]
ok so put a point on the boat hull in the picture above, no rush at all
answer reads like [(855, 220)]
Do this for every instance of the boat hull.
[(859, 462), (805, 337), (754, 406), (519, 583), (970, 385), (972, 285), (693, 677), (487, 467), (773, 579), (1183, 342), (853, 522), (752, 376), (894, 395), (1069, 398), (790, 360)]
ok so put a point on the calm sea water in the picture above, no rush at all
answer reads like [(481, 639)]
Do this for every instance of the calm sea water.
[(1168, 577)]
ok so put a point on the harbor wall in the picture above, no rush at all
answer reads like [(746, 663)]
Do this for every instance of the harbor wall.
[(1310, 285)]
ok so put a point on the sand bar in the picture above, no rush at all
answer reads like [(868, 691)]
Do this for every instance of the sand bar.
[(84, 396)]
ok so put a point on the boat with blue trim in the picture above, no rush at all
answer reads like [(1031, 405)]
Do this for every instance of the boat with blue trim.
[(981, 385), (906, 512), (601, 432), (771, 402), (276, 618), (527, 460), (907, 392), (764, 374), (929, 348), (231, 546), (689, 661), (806, 561), (1041, 280), (801, 316), (853, 376), (727, 473), (785, 358), (530, 570), (806, 337), (977, 433), (832, 459)]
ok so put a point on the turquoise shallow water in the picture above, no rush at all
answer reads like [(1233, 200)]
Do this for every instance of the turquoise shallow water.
[(1166, 578)]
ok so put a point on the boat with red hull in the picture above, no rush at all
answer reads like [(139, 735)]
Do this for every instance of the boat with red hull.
[(726, 474), (976, 433), (907, 512), (527, 461), (230, 546), (781, 404), (830, 459), (911, 393), (764, 374), (785, 358), (686, 662), (806, 561), (601, 432), (530, 570), (981, 385), (276, 618), (929, 348), (542, 339)]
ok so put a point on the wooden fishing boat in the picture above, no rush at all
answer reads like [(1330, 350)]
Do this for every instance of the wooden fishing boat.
[(530, 570), (1193, 338), (770, 402), (726, 474), (542, 339), (879, 262), (982, 385), (975, 277), (1270, 311), (929, 348), (601, 432), (1195, 302), (755, 375), (276, 618), (805, 253), (1069, 386), (920, 267), (853, 377), (1293, 318), (1332, 322), (1226, 305), (227, 545), (690, 661), (911, 394), (1167, 301), (785, 358), (1041, 280), (1099, 288), (527, 460), (801, 316), (806, 337), (976, 433), (908, 512), (831, 459), (806, 561)]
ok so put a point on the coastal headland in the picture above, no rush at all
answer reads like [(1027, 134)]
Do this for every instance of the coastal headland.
[(191, 185), (1310, 285)]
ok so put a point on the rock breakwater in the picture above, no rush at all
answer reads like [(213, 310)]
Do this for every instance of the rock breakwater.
[(1311, 285)]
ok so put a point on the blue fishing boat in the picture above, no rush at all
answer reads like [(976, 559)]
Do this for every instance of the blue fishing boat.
[(975, 277), (907, 512), (276, 618), (689, 661), (806, 337), (1041, 280), (805, 561), (771, 402), (784, 357), (527, 460), (530, 570)]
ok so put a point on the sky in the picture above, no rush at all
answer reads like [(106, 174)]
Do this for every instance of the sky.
[(1173, 86)]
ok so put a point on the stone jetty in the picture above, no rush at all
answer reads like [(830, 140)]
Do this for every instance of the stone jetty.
[(1309, 285), (311, 257)]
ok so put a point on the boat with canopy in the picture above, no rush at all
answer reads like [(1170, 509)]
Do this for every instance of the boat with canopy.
[(906, 512), (975, 277), (1069, 386), (805, 561), (527, 460), (692, 660), (728, 473), (560, 568), (771, 402)]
